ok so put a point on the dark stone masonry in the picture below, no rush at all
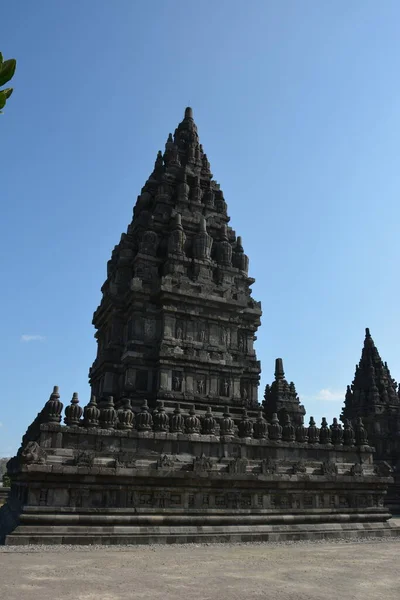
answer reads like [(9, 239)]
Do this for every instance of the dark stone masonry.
[(173, 445)]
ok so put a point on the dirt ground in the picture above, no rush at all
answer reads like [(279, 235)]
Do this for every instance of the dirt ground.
[(367, 570)]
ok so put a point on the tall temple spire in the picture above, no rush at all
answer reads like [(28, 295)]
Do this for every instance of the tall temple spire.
[(177, 320), (281, 398), (373, 396)]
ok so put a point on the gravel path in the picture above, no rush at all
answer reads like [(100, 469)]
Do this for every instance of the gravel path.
[(362, 570)]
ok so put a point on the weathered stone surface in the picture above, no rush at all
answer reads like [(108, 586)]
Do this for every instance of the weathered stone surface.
[(176, 447), (371, 414)]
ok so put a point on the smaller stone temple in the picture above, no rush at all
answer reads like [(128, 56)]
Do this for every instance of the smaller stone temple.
[(374, 396), (173, 445)]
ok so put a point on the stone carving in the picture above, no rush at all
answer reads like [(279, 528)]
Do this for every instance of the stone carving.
[(201, 464), (209, 424), (125, 460), (91, 413), (108, 414), (357, 470), (177, 423), (227, 425), (192, 423), (149, 243), (360, 433), (224, 387), (53, 408), (202, 242), (125, 415), (260, 427), (268, 467), (177, 237), (245, 426), (160, 418), (275, 429), (329, 468), (336, 432), (348, 434), (299, 468), (166, 462), (301, 432), (84, 458), (179, 330), (237, 466), (313, 432), (33, 453), (144, 421), (288, 431), (200, 384), (73, 412), (324, 432), (177, 382)]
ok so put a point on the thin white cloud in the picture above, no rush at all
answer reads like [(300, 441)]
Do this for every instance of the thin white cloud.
[(32, 338), (327, 395)]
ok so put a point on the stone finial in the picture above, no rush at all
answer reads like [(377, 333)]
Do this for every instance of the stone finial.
[(313, 432), (360, 433), (53, 407), (144, 421), (202, 242), (245, 426), (260, 427), (192, 422), (224, 248), (208, 423), (275, 428), (227, 425), (188, 113), (160, 418), (279, 372), (73, 411), (348, 433), (108, 414), (301, 432), (336, 432), (288, 431), (177, 423), (91, 413), (324, 432), (125, 415)]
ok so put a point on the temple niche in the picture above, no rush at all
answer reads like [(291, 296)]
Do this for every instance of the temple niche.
[(173, 445)]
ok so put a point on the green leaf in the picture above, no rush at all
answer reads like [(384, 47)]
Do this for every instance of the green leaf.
[(1, 59), (8, 92), (7, 70), (3, 100)]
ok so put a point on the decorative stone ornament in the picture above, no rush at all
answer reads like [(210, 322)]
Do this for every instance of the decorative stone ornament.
[(245, 426), (208, 423), (275, 428), (73, 412), (126, 417), (91, 413), (177, 424), (348, 434), (53, 407), (324, 432), (193, 424), (227, 424), (313, 432), (144, 421), (108, 414), (160, 418), (260, 427)]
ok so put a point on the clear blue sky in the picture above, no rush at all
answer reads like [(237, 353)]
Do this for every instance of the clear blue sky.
[(298, 108)]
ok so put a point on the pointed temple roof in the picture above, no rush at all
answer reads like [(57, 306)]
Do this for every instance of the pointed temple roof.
[(177, 320), (281, 397), (373, 389)]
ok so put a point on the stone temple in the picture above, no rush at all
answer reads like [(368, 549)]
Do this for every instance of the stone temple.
[(375, 397), (173, 445)]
